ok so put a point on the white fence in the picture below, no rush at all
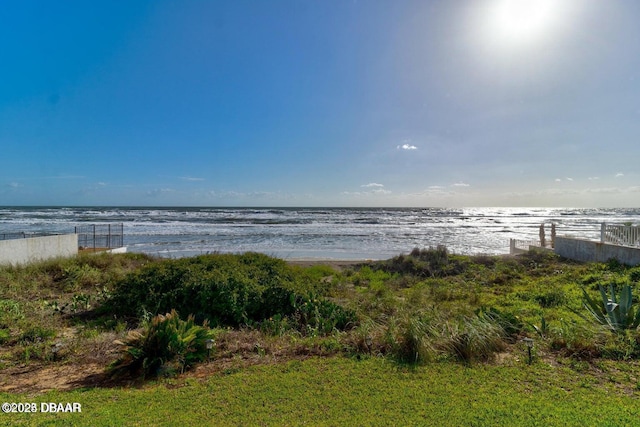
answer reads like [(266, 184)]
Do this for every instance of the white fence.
[(622, 235)]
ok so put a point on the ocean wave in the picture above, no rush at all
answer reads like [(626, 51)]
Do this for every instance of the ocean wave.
[(297, 231)]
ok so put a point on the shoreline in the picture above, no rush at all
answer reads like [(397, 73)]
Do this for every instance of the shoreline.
[(337, 264)]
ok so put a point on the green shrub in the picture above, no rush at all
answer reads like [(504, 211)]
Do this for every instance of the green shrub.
[(231, 290), (317, 316), (634, 274), (226, 289), (614, 265), (166, 344), (276, 325)]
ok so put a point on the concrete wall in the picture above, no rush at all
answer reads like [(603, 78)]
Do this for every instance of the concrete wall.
[(589, 251), (24, 251)]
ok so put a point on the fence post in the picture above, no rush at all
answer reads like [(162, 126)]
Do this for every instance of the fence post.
[(602, 232), (512, 246)]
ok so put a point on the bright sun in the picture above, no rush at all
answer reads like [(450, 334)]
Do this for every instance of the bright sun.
[(520, 22)]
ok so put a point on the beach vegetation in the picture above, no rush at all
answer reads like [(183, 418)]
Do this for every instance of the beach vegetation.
[(164, 345), (230, 290), (225, 289), (615, 310), (463, 321), (432, 262)]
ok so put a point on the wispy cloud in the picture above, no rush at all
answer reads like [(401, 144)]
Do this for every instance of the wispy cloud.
[(191, 178), (461, 184), (619, 175), (14, 185), (372, 185)]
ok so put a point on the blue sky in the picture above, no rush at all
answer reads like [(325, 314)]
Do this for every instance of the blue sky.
[(320, 103)]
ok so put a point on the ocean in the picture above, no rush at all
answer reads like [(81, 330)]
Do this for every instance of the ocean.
[(317, 233)]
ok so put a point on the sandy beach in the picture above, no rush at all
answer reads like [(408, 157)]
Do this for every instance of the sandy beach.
[(333, 263)]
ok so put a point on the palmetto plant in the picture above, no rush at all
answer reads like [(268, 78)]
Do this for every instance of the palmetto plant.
[(166, 343), (616, 312)]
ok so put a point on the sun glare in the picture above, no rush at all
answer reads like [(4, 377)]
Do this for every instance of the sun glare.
[(520, 22)]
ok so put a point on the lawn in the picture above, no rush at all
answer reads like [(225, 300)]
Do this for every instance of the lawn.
[(347, 391)]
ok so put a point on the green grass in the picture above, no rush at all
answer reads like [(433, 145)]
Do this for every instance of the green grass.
[(341, 391)]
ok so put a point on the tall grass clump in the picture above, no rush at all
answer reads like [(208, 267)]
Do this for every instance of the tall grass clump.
[(473, 339), (422, 336), (411, 338)]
